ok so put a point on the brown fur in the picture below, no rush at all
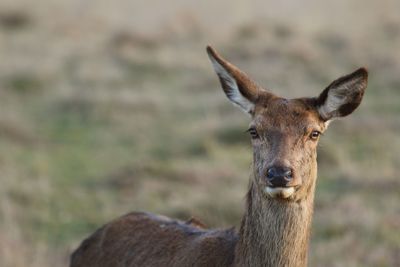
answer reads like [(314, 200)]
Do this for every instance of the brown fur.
[(274, 231), (143, 239)]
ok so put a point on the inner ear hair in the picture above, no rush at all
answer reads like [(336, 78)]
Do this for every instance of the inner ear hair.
[(237, 85), (343, 95)]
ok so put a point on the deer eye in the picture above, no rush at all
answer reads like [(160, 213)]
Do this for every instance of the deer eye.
[(314, 135), (253, 133)]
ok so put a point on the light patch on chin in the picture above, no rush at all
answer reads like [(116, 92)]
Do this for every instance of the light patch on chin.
[(283, 192)]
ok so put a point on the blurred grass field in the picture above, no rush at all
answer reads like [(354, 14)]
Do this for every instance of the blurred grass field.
[(112, 106)]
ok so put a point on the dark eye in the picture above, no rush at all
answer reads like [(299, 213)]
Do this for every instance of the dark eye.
[(314, 135), (253, 133)]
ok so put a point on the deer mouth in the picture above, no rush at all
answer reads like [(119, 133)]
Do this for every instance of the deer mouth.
[(279, 192)]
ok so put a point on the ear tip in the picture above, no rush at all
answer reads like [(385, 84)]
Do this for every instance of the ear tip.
[(214, 56), (211, 51), (363, 71)]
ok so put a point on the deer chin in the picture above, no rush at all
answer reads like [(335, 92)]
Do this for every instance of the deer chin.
[(279, 192)]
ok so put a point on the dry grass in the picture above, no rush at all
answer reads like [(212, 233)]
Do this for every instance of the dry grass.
[(108, 108)]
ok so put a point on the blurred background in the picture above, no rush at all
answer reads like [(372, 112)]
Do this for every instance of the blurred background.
[(112, 106)]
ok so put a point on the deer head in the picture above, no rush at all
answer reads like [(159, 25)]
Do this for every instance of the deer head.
[(285, 132)]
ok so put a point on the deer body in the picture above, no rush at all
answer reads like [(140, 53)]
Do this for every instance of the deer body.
[(143, 239), (275, 228)]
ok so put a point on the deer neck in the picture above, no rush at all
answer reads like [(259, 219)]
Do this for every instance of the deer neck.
[(274, 232)]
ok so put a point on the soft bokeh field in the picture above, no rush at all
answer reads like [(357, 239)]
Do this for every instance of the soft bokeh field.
[(112, 106)]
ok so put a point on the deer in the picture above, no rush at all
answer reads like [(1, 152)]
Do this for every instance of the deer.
[(276, 224)]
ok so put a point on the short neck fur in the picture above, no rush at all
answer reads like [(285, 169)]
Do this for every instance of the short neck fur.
[(274, 232)]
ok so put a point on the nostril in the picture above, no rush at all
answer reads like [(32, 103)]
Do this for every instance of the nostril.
[(271, 173), (279, 172), (287, 174)]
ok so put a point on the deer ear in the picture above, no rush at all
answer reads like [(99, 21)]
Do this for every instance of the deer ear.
[(343, 95), (238, 87)]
